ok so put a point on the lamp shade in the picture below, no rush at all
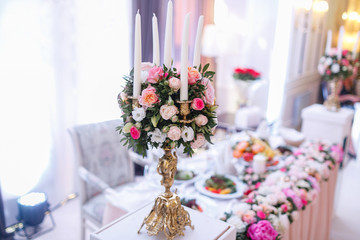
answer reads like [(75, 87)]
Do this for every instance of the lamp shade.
[(32, 208)]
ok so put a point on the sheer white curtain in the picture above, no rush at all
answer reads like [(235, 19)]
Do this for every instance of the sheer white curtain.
[(61, 63)]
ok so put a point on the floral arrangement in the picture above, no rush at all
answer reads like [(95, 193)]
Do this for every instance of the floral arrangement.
[(267, 210), (330, 67), (246, 74), (249, 148), (156, 121)]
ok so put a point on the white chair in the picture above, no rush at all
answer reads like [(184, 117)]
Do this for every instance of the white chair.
[(103, 163)]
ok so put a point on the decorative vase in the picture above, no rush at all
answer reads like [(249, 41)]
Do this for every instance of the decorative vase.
[(167, 214), (243, 89), (332, 102)]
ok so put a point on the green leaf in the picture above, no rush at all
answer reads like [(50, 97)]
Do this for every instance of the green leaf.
[(206, 67)]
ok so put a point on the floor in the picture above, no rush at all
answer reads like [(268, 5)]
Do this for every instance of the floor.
[(345, 223)]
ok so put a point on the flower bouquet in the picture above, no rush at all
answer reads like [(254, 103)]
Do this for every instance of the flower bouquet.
[(156, 121), (247, 149), (244, 78), (334, 69)]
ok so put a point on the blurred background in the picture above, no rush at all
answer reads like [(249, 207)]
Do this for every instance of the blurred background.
[(62, 62)]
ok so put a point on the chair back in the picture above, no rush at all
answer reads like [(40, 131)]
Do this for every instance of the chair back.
[(98, 149)]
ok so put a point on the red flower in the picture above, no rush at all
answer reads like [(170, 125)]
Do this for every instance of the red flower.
[(240, 70)]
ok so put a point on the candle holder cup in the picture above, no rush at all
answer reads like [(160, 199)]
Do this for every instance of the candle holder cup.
[(185, 111), (135, 102)]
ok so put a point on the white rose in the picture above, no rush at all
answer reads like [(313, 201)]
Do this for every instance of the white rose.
[(138, 114), (321, 69), (271, 199), (157, 136), (322, 59), (303, 183), (237, 223), (241, 208), (335, 68), (284, 223), (328, 61), (187, 134)]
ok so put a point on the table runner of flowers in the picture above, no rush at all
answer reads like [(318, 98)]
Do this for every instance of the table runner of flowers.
[(275, 198)]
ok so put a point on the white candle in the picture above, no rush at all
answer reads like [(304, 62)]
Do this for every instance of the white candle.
[(137, 56), (156, 48), (259, 163), (355, 45), (168, 35), (340, 40), (196, 58), (184, 60), (328, 42)]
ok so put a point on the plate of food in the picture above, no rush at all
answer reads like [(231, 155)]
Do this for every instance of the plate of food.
[(186, 176), (220, 186)]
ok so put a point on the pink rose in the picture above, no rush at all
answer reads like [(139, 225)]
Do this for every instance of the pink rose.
[(193, 75), (155, 74), (257, 185), (197, 104), (146, 66), (201, 120), (209, 91), (284, 208), (249, 217), (168, 112), (262, 230), (199, 141), (175, 83), (134, 132), (261, 214), (148, 96), (174, 133)]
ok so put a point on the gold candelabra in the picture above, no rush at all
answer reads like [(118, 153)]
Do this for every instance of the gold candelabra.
[(167, 214), (135, 102)]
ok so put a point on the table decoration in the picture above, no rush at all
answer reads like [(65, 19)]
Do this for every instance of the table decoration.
[(244, 78), (273, 203), (156, 114), (334, 68)]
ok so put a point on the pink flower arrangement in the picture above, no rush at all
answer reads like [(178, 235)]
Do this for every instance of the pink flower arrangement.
[(157, 121), (197, 104), (193, 75), (135, 133), (155, 74), (148, 97), (262, 230)]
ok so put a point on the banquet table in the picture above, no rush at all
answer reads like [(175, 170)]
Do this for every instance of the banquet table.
[(312, 223)]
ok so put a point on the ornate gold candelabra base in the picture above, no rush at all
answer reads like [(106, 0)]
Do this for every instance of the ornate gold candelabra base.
[(332, 102), (167, 214)]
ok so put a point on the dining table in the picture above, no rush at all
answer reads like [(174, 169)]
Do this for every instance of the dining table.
[(312, 222)]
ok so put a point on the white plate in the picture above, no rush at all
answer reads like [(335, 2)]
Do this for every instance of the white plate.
[(240, 188), (190, 181)]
